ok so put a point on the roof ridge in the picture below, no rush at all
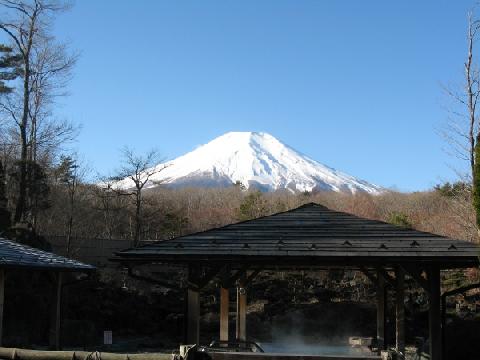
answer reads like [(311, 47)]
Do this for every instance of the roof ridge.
[(310, 204)]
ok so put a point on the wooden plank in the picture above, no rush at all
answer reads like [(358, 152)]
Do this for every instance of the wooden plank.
[(286, 262), (224, 310), (193, 317), (241, 328), (400, 312), (434, 314)]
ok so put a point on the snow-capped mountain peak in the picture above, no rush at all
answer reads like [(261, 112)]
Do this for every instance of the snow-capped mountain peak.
[(255, 159)]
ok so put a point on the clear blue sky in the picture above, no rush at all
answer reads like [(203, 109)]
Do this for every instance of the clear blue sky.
[(353, 84)]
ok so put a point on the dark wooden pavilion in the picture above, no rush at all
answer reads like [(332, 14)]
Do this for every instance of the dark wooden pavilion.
[(15, 256), (312, 237)]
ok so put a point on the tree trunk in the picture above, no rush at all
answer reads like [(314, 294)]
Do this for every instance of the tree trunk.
[(138, 206), (71, 192), (476, 182), (471, 103), (22, 186), (22, 191)]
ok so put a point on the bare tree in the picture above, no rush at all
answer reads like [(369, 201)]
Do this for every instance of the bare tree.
[(104, 198), (45, 71), (461, 129), (472, 90), (134, 175)]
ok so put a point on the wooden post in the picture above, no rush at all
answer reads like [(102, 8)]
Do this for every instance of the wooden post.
[(380, 311), (56, 315), (224, 310), (443, 309), (400, 312), (193, 316), (434, 327), (2, 299), (241, 312)]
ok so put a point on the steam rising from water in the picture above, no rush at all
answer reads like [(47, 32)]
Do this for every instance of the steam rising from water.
[(310, 346), (293, 333)]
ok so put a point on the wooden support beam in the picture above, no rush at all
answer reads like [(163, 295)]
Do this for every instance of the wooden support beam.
[(193, 317), (56, 314), (462, 289), (192, 305), (434, 314), (400, 312), (252, 276), (150, 280), (381, 304), (241, 330), (2, 299), (224, 310)]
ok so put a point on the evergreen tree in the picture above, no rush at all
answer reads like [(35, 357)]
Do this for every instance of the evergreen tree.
[(37, 187), (253, 206), (69, 176), (452, 189), (400, 219), (9, 68)]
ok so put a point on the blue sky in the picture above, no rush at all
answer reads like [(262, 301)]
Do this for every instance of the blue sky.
[(353, 84)]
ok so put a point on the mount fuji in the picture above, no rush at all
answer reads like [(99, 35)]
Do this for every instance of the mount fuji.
[(256, 160)]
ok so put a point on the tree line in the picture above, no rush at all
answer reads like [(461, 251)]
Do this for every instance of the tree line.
[(45, 187)]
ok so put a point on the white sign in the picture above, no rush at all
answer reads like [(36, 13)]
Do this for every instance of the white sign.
[(107, 337)]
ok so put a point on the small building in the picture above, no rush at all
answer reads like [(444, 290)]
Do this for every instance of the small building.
[(311, 237), (15, 256)]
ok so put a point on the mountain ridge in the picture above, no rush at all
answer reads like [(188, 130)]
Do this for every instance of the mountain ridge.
[(256, 159)]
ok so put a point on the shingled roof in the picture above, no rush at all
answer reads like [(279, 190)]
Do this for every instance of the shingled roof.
[(310, 235), (15, 255)]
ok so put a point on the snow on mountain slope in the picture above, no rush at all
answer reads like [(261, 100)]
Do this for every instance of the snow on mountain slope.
[(255, 159)]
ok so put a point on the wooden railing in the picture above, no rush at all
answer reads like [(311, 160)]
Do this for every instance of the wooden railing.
[(24, 354)]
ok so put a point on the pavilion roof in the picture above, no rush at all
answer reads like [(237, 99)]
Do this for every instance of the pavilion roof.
[(16, 255), (309, 235)]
